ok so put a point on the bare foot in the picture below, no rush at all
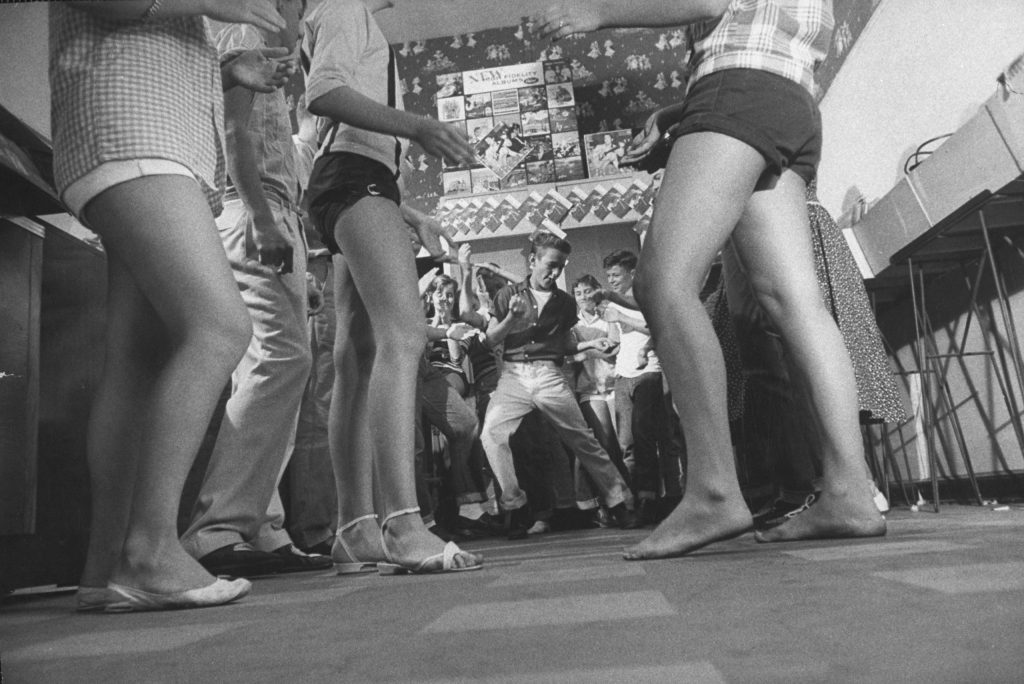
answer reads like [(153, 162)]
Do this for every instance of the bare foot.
[(692, 525), (160, 568), (409, 543), (833, 515), (359, 543)]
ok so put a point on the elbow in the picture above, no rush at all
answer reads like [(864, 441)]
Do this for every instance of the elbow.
[(318, 107)]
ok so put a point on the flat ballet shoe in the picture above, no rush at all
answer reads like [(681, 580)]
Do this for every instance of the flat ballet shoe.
[(131, 600), (93, 599)]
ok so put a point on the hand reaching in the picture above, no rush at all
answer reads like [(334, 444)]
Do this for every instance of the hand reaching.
[(314, 296), (444, 141), (566, 18), (460, 331), (274, 249), (518, 306), (263, 71), (644, 141)]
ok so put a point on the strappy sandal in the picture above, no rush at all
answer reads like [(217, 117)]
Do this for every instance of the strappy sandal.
[(353, 566), (429, 564)]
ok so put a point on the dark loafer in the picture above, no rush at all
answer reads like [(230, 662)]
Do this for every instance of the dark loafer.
[(241, 560), (297, 561)]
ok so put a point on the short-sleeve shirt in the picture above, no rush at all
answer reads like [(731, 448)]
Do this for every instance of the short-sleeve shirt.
[(344, 47), (269, 122), (546, 328), (630, 344), (135, 89), (784, 37), (595, 372)]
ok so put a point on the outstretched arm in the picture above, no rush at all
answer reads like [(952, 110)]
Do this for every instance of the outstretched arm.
[(351, 107), (579, 16)]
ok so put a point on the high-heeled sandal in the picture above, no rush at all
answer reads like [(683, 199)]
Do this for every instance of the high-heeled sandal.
[(353, 565), (447, 557)]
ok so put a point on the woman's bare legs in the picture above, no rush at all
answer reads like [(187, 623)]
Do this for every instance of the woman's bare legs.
[(177, 320), (348, 427), (374, 239), (771, 240), (773, 246), (707, 182)]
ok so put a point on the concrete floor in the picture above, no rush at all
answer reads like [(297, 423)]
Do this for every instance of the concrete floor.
[(940, 599)]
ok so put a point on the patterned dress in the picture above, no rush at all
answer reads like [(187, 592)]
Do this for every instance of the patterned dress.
[(842, 288)]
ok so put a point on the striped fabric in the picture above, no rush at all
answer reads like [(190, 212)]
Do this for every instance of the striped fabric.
[(135, 90), (784, 37)]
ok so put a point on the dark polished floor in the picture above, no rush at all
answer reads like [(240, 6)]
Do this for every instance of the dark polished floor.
[(940, 599)]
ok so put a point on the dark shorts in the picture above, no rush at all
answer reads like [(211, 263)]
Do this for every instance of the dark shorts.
[(337, 182), (772, 114)]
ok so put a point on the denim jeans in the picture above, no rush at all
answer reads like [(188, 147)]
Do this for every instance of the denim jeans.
[(523, 387), (648, 436)]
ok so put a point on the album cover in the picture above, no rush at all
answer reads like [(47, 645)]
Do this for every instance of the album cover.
[(501, 150), (569, 169), (540, 172), (563, 119), (536, 123), (604, 207), (478, 105), (456, 182), (604, 151), (484, 180), (566, 145), (582, 210), (557, 71), (451, 108), (561, 95), (630, 198), (552, 207)]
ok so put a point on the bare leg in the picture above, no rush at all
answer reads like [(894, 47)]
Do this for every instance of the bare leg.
[(159, 232), (698, 205), (134, 337), (374, 239), (348, 427), (772, 244)]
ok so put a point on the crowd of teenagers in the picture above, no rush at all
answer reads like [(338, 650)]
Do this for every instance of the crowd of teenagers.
[(492, 402)]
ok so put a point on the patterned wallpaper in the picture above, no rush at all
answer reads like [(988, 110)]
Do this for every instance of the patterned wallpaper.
[(620, 76)]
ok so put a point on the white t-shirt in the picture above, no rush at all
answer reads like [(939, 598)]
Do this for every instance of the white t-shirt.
[(345, 47), (542, 297), (630, 344)]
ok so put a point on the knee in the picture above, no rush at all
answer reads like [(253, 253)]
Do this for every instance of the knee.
[(404, 345), (225, 338), (466, 428)]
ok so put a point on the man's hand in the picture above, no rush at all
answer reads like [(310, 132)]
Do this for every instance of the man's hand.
[(518, 306), (459, 331), (314, 296), (443, 140), (273, 249), (465, 257), (566, 18), (609, 313), (260, 13), (263, 71)]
